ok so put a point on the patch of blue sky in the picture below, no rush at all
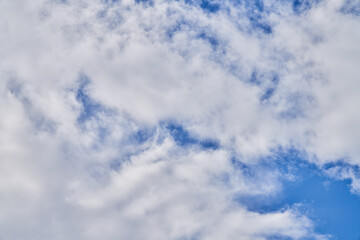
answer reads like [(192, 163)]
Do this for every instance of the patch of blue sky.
[(336, 168), (257, 10), (298, 6), (110, 1), (89, 107), (178, 133), (137, 138), (268, 83), (341, 164), (269, 91), (261, 25), (254, 8), (257, 14), (145, 2), (254, 78), (301, 6), (327, 201), (351, 7), (183, 138), (242, 167), (91, 110), (200, 32), (172, 30), (142, 135), (249, 5), (211, 39), (208, 6)]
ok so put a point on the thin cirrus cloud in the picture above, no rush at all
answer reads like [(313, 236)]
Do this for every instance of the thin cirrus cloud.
[(179, 119)]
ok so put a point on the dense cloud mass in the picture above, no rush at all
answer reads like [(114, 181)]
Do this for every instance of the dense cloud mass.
[(152, 119)]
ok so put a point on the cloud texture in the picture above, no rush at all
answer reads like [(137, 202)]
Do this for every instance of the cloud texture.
[(148, 119)]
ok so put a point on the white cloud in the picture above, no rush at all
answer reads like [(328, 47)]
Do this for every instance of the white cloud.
[(59, 167)]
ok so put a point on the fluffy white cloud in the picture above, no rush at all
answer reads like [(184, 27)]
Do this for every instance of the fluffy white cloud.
[(79, 79)]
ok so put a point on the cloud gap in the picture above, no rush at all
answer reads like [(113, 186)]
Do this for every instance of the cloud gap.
[(351, 7), (311, 190), (183, 138)]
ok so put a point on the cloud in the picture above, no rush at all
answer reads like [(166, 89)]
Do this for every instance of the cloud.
[(130, 119)]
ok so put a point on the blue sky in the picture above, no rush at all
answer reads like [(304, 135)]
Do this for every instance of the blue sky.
[(186, 119), (327, 201)]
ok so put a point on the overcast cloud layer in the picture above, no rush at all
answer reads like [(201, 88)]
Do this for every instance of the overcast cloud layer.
[(150, 119)]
